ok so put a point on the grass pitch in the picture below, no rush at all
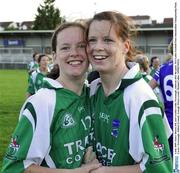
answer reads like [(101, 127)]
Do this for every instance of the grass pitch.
[(13, 85)]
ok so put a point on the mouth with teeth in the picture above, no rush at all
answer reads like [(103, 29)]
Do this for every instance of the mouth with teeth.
[(75, 62), (99, 57)]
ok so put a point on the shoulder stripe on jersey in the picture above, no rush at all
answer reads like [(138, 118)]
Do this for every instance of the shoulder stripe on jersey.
[(146, 105), (33, 76), (29, 116), (30, 107), (149, 111)]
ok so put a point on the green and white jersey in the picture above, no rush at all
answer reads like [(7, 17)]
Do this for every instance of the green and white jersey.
[(129, 127), (146, 77), (33, 65), (153, 71), (35, 81), (53, 130), (156, 90)]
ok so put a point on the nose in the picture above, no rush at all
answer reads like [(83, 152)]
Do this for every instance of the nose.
[(73, 51), (98, 45)]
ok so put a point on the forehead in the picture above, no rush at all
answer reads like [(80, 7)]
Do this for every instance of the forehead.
[(156, 60), (70, 35), (44, 58), (103, 27)]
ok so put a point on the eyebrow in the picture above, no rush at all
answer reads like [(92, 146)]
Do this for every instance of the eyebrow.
[(65, 44), (76, 43)]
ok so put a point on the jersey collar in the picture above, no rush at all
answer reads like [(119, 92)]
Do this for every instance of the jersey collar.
[(51, 83), (131, 76)]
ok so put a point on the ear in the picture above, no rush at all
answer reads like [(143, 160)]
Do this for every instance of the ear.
[(126, 46)]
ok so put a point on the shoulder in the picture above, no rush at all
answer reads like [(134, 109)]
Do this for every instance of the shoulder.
[(139, 92), (165, 69), (34, 74), (148, 77), (31, 63), (43, 95), (39, 108), (167, 65), (43, 101), (140, 101)]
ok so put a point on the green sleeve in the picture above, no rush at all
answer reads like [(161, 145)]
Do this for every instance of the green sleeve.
[(31, 87), (18, 147), (156, 145)]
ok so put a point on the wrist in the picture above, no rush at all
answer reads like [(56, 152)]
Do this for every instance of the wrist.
[(75, 170)]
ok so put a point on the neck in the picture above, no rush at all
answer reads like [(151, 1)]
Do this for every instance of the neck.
[(73, 84), (110, 81)]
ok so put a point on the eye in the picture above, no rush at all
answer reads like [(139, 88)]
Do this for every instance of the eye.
[(65, 48), (108, 40), (91, 40)]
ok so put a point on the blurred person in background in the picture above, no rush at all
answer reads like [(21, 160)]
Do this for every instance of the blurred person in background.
[(163, 78), (35, 80), (51, 62), (155, 64), (143, 62), (33, 65)]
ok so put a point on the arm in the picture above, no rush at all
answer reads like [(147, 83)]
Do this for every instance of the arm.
[(148, 140), (31, 88), (157, 157), (24, 149), (28, 95), (155, 81), (153, 84), (39, 169), (118, 169), (18, 147)]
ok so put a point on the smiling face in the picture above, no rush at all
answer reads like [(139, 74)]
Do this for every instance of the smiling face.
[(106, 50), (156, 63), (44, 62), (71, 53)]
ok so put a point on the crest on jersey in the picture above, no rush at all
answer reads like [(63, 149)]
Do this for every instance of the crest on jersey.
[(115, 127), (157, 145), (13, 148), (68, 121)]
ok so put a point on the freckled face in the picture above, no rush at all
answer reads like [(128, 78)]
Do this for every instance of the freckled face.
[(105, 49), (71, 54)]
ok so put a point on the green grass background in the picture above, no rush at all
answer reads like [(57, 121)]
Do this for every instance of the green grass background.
[(13, 85)]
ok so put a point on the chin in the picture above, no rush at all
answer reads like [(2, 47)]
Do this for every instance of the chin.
[(77, 74), (99, 68)]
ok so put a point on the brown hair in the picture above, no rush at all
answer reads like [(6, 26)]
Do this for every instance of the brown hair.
[(123, 25), (152, 59), (40, 57), (143, 62), (54, 73), (62, 27)]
